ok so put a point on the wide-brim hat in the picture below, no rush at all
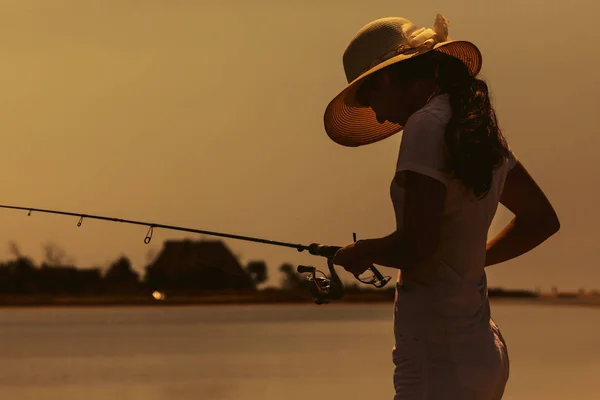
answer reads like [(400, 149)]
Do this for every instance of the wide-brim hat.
[(377, 45)]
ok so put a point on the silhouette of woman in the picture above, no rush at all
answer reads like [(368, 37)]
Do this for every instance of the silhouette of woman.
[(453, 169)]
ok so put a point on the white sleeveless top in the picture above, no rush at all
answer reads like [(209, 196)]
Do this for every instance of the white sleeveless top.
[(452, 284)]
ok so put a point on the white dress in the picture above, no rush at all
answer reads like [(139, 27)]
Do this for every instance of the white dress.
[(447, 347)]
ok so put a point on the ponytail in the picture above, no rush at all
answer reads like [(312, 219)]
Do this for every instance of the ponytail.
[(473, 137)]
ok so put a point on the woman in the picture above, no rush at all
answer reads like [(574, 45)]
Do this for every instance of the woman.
[(453, 168)]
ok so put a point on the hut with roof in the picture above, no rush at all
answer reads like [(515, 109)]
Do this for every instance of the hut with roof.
[(192, 266)]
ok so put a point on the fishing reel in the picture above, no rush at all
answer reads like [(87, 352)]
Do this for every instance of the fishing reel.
[(322, 288), (325, 289)]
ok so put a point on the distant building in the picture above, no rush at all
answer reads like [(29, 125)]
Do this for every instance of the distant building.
[(197, 266)]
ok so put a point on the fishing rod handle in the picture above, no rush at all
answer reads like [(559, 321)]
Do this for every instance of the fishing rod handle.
[(329, 252), (323, 250)]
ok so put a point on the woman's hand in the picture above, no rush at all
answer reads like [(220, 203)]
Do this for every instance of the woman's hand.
[(352, 259)]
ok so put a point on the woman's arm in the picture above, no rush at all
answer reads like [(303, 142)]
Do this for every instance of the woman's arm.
[(419, 238), (535, 220)]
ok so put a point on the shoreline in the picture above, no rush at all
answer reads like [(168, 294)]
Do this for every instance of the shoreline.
[(254, 299)]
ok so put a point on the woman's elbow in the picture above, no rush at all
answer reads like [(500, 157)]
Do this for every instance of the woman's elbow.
[(549, 222), (546, 225), (553, 224)]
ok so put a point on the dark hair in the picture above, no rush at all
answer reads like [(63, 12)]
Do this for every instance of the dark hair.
[(474, 140)]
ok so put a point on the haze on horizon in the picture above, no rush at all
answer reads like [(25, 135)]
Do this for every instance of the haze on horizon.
[(209, 115)]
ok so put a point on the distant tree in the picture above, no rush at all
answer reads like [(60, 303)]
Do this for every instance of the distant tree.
[(258, 271), (55, 256), (121, 276), (13, 248), (19, 276), (292, 280)]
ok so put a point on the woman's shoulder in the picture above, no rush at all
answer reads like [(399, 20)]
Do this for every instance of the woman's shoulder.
[(438, 109), (429, 123), (423, 141)]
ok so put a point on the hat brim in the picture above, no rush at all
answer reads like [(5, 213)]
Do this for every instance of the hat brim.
[(350, 124)]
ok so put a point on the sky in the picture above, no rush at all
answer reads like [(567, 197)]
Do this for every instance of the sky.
[(209, 115)]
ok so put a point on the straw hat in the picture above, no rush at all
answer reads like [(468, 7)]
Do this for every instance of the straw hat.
[(377, 45)]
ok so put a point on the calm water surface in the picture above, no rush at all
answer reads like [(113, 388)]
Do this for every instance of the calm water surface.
[(266, 352)]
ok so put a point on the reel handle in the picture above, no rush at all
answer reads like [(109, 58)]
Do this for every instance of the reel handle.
[(378, 275)]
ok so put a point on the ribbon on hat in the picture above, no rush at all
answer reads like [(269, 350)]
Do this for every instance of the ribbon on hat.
[(429, 37), (419, 40)]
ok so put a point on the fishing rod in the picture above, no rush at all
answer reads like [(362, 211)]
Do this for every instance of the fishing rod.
[(323, 288)]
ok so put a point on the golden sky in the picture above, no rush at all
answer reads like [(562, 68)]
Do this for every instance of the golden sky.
[(209, 115)]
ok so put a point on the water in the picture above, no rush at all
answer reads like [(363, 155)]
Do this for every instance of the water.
[(266, 352)]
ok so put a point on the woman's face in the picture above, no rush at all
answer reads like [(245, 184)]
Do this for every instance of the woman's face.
[(394, 101)]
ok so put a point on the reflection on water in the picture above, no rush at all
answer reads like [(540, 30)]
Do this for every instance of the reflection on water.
[(264, 352)]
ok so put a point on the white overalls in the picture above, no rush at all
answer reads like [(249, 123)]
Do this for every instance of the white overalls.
[(447, 347)]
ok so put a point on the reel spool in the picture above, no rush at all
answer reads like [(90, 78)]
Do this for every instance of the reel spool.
[(322, 288)]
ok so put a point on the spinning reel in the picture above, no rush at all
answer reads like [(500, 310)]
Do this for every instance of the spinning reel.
[(325, 289)]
